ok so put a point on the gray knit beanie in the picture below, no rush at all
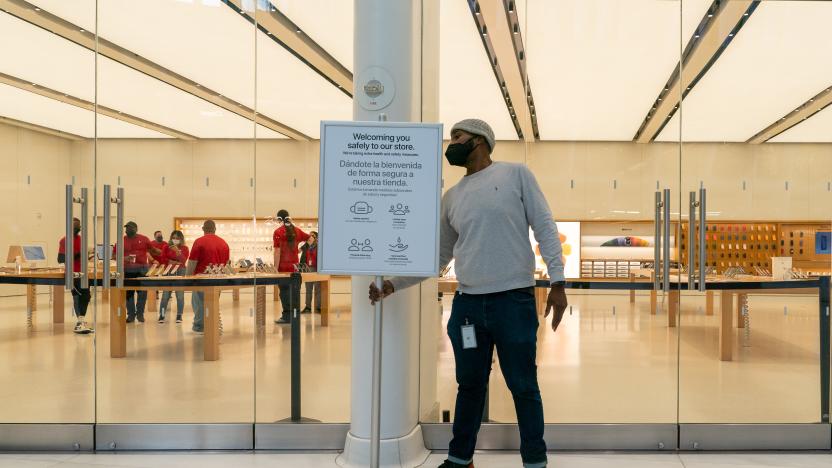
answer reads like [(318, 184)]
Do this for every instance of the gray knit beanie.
[(476, 127)]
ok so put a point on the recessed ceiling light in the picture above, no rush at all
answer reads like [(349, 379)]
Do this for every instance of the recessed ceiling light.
[(696, 36), (298, 31), (37, 9), (242, 12), (83, 30), (710, 15), (746, 14), (660, 99), (731, 35)]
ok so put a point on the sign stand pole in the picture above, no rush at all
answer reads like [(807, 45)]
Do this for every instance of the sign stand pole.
[(375, 416)]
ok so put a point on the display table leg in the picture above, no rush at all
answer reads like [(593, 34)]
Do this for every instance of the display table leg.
[(324, 285), (57, 304), (31, 297), (653, 302), (742, 299), (212, 325), (151, 300), (276, 294), (105, 294), (541, 295), (726, 329), (672, 307), (235, 295), (118, 324), (260, 306), (632, 291), (709, 302)]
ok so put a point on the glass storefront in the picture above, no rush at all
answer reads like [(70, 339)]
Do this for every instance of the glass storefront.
[(683, 146)]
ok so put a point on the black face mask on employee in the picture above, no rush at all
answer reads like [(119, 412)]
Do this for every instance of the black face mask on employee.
[(457, 154), (159, 238), (131, 231), (76, 231)]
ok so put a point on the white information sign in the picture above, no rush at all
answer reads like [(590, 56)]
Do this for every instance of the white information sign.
[(380, 190)]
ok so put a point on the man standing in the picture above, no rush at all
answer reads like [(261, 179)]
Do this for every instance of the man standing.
[(136, 249), (80, 296), (209, 249), (484, 225), (159, 243)]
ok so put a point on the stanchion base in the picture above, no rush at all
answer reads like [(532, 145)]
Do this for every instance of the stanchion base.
[(405, 452), (300, 421)]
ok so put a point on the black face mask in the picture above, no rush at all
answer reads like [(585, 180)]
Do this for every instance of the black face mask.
[(160, 239), (130, 232), (457, 153), (76, 231)]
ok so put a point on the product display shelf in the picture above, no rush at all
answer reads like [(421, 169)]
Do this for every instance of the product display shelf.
[(609, 268), (732, 244), (247, 238)]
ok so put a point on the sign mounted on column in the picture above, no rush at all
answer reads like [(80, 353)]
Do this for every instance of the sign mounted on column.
[(380, 190)]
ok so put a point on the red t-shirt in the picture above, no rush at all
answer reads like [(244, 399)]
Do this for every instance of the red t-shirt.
[(161, 246), (137, 245), (209, 249), (288, 253), (76, 249), (170, 256)]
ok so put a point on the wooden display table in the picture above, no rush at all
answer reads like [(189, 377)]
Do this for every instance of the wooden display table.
[(212, 286)]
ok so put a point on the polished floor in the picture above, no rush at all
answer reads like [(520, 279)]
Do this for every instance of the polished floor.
[(611, 362), (482, 460)]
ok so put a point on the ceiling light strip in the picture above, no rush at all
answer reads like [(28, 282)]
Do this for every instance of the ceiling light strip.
[(516, 32), (56, 25), (510, 81), (815, 104), (277, 26), (87, 105), (40, 129), (714, 34)]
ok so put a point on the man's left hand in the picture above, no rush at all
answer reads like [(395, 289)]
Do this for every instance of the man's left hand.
[(557, 302)]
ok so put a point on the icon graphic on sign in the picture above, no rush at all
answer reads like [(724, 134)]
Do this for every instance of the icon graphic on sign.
[(361, 208), (354, 246), (399, 209), (398, 246), (367, 247)]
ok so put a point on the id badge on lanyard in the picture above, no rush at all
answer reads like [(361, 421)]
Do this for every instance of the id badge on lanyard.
[(469, 336)]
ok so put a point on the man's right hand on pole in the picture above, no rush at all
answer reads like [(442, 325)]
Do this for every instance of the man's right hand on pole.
[(376, 295)]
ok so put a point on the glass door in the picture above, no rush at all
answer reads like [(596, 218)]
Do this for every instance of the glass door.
[(755, 171), (176, 149), (47, 130)]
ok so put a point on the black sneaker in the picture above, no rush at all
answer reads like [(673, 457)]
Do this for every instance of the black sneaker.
[(131, 319), (141, 318), (178, 319), (450, 464), (161, 318), (306, 310), (282, 321)]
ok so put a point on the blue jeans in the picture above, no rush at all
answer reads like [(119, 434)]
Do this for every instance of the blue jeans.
[(135, 299), (198, 303), (508, 321), (180, 302)]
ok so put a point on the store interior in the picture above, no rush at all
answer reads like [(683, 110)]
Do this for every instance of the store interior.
[(167, 111)]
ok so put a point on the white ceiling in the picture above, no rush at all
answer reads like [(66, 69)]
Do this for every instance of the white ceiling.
[(33, 108), (816, 129), (778, 61), (327, 22), (595, 67), (467, 87)]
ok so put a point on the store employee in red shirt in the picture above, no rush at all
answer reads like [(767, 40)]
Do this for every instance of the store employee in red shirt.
[(136, 249), (159, 242), (80, 296), (286, 239), (207, 250)]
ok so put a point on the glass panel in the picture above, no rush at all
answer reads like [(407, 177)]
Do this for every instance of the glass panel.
[(298, 96), (183, 152), (595, 70), (752, 354), (46, 132)]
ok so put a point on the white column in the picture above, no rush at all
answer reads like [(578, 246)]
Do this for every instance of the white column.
[(388, 51)]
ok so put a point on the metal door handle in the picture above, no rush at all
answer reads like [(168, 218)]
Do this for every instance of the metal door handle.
[(666, 259), (120, 239), (108, 254), (69, 241), (657, 257), (692, 240), (702, 238), (85, 252)]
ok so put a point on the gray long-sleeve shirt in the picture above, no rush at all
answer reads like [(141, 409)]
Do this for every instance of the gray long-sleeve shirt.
[(484, 225)]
